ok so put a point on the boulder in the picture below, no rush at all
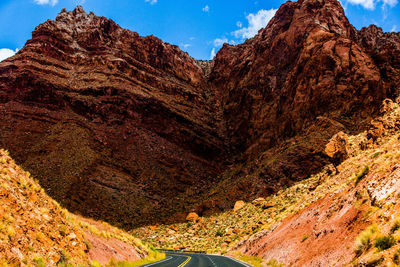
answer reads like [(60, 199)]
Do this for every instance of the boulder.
[(336, 148), (192, 217), (238, 205), (258, 201)]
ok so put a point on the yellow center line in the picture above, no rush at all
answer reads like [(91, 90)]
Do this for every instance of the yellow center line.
[(185, 262)]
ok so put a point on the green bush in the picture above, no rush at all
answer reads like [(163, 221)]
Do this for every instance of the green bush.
[(384, 242), (304, 238)]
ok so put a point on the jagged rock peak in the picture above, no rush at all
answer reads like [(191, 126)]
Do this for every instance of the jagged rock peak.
[(77, 13), (78, 10)]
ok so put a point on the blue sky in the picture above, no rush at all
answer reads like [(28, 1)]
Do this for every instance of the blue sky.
[(199, 27)]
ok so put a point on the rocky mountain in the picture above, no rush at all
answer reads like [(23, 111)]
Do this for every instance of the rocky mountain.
[(114, 125), (134, 131)]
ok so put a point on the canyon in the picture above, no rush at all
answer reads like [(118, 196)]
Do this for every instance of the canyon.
[(133, 131)]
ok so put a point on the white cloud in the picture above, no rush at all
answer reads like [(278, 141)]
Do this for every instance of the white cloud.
[(192, 38), (239, 24), (46, 2), (391, 3), (368, 4), (6, 53), (212, 53), (371, 4), (152, 2), (186, 46), (206, 8), (256, 22), (394, 28), (220, 41)]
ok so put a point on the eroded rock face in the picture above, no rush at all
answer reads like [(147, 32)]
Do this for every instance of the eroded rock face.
[(384, 49), (304, 64), (132, 130), (114, 125)]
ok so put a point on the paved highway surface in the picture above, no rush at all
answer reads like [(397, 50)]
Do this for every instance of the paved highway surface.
[(174, 259)]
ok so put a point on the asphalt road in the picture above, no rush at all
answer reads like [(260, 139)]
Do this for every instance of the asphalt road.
[(174, 259)]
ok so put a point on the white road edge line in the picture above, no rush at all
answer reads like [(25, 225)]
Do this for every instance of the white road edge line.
[(238, 261), (212, 261), (154, 263)]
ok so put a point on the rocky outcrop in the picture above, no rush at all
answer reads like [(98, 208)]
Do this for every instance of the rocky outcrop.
[(192, 217), (336, 149), (133, 130)]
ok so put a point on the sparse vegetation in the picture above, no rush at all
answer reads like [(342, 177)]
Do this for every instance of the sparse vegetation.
[(274, 263), (152, 257), (395, 226), (220, 232), (253, 261), (34, 225), (361, 174), (396, 257), (364, 240), (384, 242), (304, 238)]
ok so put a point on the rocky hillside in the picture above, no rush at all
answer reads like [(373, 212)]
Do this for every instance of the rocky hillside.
[(35, 230), (356, 222), (134, 131), (344, 215)]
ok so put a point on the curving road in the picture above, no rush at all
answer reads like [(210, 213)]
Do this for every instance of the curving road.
[(174, 259)]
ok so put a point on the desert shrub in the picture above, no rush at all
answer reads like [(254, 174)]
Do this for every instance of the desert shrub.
[(396, 257), (39, 262), (384, 242), (10, 231), (395, 226), (63, 230), (304, 238), (64, 258), (364, 240), (274, 263), (376, 154), (253, 261), (95, 264), (361, 174), (220, 232)]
